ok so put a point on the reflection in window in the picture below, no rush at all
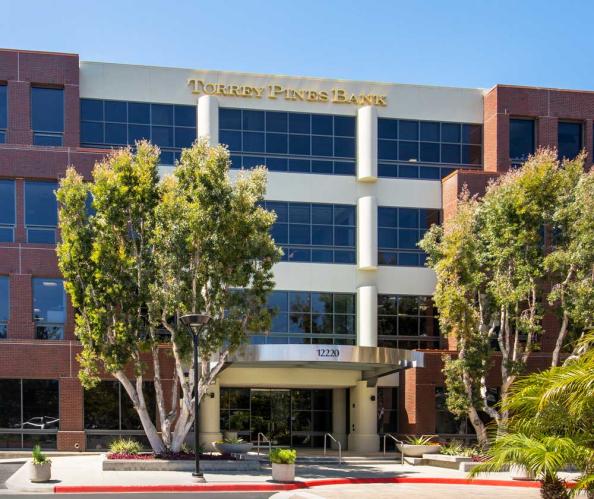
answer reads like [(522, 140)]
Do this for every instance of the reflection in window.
[(521, 139), (47, 116), (308, 232), (3, 113), (408, 322), (7, 211), (569, 138), (399, 232), (107, 123), (293, 142), (31, 406), (303, 317), (49, 308), (424, 145), (4, 305), (41, 212)]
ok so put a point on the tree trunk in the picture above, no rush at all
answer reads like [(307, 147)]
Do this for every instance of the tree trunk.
[(560, 340), (479, 426), (149, 428)]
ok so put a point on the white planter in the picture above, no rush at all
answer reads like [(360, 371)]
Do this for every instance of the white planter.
[(40, 472), (283, 472), (519, 472), (418, 450), (239, 448)]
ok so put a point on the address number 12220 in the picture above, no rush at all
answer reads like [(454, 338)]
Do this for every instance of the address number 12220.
[(328, 352)]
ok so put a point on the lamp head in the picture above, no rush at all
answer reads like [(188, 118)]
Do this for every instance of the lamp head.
[(194, 321)]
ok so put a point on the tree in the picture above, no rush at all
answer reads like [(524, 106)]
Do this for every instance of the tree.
[(150, 250), (493, 267)]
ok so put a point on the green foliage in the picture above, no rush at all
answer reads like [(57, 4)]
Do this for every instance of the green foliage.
[(38, 456), (283, 456), (457, 448), (533, 224), (125, 446), (420, 440)]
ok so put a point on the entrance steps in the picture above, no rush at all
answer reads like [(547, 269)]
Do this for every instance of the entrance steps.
[(308, 457)]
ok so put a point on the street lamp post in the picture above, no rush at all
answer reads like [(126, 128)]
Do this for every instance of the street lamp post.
[(196, 323)]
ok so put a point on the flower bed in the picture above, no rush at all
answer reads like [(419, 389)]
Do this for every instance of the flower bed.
[(174, 456)]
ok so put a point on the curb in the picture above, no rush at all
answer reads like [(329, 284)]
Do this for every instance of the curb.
[(281, 487)]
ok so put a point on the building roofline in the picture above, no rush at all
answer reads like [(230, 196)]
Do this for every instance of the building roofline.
[(39, 52), (529, 87)]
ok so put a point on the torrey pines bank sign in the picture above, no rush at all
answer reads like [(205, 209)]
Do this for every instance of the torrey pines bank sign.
[(276, 91)]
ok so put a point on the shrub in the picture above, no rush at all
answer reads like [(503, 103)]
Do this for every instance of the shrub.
[(422, 440), (125, 446), (39, 457), (283, 456)]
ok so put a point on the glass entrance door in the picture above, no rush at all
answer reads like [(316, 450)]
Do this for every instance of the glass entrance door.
[(271, 415)]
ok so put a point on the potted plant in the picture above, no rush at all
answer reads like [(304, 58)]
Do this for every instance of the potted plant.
[(233, 446), (417, 446), (40, 468), (283, 464)]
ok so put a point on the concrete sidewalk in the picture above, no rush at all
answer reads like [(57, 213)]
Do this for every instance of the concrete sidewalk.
[(85, 470)]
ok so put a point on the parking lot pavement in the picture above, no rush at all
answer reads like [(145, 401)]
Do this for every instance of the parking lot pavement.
[(7, 469)]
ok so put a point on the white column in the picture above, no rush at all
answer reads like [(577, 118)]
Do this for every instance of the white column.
[(209, 417), (367, 233), (208, 118), (339, 417), (367, 316), (367, 144), (363, 436)]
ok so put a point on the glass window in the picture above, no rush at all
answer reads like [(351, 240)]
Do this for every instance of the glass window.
[(521, 138), (49, 308), (569, 136), (310, 317), (307, 232), (47, 115), (405, 321), (7, 210), (118, 123), (41, 212), (4, 305), (399, 231), (295, 142), (426, 142)]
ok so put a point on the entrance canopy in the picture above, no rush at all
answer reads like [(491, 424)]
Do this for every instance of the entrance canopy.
[(373, 362)]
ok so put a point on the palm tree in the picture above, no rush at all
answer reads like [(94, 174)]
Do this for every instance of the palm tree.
[(551, 425)]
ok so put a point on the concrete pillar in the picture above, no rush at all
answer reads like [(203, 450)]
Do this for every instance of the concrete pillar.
[(209, 417), (363, 436), (339, 417), (367, 233), (367, 144), (367, 316), (208, 118)]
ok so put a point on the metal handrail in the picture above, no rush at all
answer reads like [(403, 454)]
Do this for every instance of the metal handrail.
[(337, 443), (398, 442), (264, 439)]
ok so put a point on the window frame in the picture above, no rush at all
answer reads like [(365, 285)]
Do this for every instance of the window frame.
[(39, 227), (580, 136), (4, 322), (7, 226), (4, 129), (58, 327), (53, 138)]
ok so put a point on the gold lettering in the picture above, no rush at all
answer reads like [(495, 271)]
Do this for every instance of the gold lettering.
[(221, 90), (274, 90), (381, 100), (323, 96), (259, 91), (210, 88), (233, 90), (339, 96), (196, 84)]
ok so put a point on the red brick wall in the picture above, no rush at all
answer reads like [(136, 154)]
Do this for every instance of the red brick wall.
[(547, 106)]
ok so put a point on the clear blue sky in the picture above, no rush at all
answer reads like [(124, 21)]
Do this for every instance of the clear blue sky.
[(473, 43)]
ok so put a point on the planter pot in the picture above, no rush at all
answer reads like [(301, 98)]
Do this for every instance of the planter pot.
[(418, 450), (283, 472), (242, 448), (230, 435), (519, 472), (40, 472)]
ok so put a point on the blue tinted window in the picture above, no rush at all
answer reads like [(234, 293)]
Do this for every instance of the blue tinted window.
[(7, 210), (521, 139), (314, 232), (120, 123), (427, 142), (49, 308), (41, 211), (569, 137), (47, 109), (399, 231), (3, 107), (282, 137), (4, 302)]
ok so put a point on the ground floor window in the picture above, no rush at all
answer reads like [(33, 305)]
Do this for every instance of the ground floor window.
[(29, 413), (289, 417), (109, 414)]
